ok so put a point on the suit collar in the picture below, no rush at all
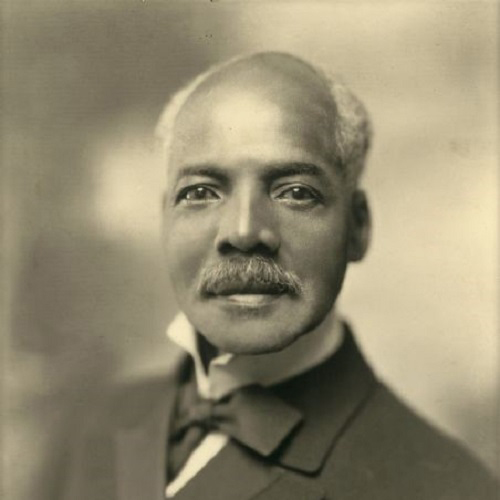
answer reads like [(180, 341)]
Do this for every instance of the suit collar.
[(329, 396)]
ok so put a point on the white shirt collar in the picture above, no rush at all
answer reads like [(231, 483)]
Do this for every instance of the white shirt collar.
[(228, 372)]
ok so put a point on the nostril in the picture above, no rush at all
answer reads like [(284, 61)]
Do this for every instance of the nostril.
[(226, 248)]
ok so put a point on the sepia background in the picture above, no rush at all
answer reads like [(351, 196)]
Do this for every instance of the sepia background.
[(84, 302)]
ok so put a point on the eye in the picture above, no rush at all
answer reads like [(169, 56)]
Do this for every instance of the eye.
[(194, 195), (299, 195)]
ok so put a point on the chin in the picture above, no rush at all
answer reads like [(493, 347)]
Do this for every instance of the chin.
[(257, 335), (251, 339)]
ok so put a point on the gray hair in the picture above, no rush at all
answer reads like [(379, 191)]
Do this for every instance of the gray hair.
[(352, 134)]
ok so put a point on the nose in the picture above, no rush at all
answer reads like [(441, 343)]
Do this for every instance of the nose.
[(248, 224)]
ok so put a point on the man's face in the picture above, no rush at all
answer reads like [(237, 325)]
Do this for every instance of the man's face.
[(251, 176)]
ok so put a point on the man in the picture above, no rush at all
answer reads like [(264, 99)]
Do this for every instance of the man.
[(272, 399)]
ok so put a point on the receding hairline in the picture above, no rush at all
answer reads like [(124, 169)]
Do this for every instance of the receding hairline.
[(281, 67), (352, 135)]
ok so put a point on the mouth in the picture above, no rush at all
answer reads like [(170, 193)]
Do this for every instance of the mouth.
[(248, 295), (237, 288), (250, 299)]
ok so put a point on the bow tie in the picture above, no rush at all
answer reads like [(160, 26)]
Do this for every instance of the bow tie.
[(253, 416)]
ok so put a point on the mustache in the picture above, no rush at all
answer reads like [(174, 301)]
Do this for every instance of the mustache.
[(257, 274)]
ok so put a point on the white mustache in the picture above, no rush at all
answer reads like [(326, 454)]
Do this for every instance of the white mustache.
[(255, 274)]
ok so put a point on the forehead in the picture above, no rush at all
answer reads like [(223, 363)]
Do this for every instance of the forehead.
[(258, 111)]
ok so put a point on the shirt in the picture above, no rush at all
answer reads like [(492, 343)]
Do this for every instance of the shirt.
[(228, 372)]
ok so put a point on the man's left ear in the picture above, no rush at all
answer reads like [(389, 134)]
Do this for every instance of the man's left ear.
[(360, 226)]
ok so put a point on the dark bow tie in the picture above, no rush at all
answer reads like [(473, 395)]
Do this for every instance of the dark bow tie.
[(253, 416)]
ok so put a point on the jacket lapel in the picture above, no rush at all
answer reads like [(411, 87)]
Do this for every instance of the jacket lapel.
[(329, 397)]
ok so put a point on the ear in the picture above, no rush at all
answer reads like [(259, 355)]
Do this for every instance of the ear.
[(360, 226)]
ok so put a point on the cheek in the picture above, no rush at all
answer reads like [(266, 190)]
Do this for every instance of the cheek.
[(187, 245), (318, 250), (314, 234)]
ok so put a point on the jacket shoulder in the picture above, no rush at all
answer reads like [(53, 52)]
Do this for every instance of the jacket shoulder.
[(123, 403), (390, 452), (88, 469)]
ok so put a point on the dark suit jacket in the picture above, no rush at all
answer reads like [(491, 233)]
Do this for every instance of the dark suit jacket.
[(358, 441)]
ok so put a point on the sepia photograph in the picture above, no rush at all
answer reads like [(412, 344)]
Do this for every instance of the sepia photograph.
[(249, 250)]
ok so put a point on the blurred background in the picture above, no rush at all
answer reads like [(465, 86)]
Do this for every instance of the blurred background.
[(84, 301)]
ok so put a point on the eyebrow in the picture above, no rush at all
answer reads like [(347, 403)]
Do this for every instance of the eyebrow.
[(202, 171), (295, 168), (272, 173)]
